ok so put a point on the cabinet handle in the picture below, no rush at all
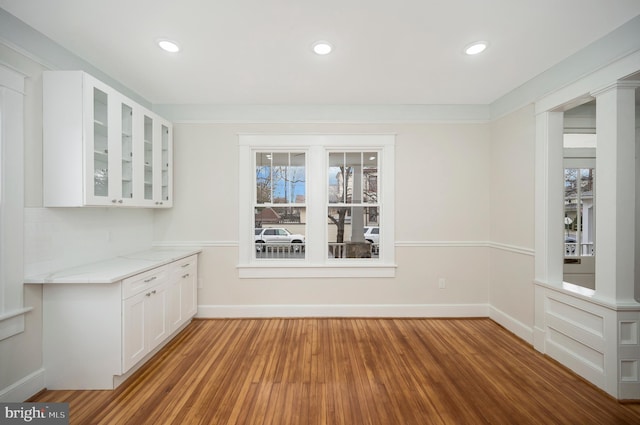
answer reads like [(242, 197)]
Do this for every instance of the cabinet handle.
[(148, 294), (120, 201), (153, 292), (185, 275), (113, 201), (150, 279), (185, 265)]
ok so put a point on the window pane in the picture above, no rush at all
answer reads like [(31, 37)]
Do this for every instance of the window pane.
[(280, 174), (297, 179), (263, 178), (280, 233), (280, 177), (579, 212), (336, 178), (370, 178), (586, 209), (353, 232), (353, 173)]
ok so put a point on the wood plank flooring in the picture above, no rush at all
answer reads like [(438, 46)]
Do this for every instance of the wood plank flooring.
[(347, 371)]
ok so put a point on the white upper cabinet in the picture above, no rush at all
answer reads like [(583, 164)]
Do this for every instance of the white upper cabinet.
[(101, 148)]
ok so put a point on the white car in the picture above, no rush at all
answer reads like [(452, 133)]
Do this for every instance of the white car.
[(372, 235), (277, 235)]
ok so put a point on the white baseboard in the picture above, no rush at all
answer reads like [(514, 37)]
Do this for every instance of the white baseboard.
[(518, 328), (344, 310), (24, 388)]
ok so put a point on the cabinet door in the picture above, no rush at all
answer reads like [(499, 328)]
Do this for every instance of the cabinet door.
[(148, 153), (134, 337), (157, 315), (184, 279), (175, 303), (100, 129), (109, 140), (163, 185), (126, 178), (188, 293)]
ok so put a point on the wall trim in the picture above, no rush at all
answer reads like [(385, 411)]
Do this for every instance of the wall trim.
[(344, 310), (324, 114), (443, 244), (513, 248), (399, 244), (214, 244), (24, 388), (514, 326)]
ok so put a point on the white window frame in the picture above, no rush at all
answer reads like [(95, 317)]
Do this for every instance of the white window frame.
[(11, 203), (316, 262)]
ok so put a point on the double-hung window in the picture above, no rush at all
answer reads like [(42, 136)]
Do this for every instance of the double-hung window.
[(316, 206)]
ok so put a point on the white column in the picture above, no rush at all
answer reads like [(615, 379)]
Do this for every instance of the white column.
[(549, 233), (637, 213), (615, 191), (549, 226)]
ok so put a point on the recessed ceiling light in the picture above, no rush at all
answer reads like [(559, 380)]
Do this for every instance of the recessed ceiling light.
[(168, 45), (476, 47), (322, 47)]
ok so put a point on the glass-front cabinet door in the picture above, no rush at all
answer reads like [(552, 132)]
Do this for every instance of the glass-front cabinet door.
[(104, 126), (126, 152), (148, 159), (111, 177), (163, 186), (100, 154)]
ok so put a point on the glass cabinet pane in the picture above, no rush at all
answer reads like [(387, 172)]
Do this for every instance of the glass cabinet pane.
[(148, 158), (127, 151), (165, 163), (100, 138)]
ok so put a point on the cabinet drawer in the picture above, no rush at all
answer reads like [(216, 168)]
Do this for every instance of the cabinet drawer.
[(183, 267), (140, 282)]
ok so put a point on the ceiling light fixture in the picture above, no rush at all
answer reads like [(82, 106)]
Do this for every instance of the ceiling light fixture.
[(322, 47), (476, 47), (168, 45)]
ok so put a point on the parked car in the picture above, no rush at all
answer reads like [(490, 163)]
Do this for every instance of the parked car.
[(372, 235), (570, 246), (277, 235)]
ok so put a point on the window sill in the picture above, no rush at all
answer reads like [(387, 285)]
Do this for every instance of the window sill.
[(352, 270), (12, 323)]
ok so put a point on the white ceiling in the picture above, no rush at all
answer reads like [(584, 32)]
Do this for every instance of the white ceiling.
[(386, 51)]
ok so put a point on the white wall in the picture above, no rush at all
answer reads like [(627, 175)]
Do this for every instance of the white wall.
[(511, 291), (442, 225), (55, 238)]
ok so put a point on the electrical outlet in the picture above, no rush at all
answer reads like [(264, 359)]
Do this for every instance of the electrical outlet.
[(442, 283)]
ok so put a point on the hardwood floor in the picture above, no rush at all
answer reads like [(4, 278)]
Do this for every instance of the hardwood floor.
[(347, 371)]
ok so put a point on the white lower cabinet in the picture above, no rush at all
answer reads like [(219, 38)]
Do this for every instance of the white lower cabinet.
[(97, 334), (145, 314), (145, 323)]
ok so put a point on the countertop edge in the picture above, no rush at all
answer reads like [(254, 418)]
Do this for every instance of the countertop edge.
[(98, 272)]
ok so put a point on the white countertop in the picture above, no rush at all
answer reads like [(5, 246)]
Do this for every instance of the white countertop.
[(114, 269)]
